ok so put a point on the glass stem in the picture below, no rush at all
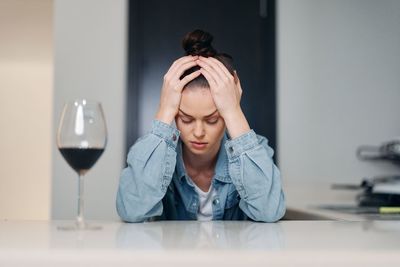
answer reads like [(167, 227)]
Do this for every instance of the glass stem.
[(79, 218)]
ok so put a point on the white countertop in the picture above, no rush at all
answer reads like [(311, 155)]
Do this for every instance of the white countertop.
[(180, 243)]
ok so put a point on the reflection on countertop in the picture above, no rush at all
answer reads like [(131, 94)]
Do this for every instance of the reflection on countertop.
[(200, 235), (237, 243), (194, 235)]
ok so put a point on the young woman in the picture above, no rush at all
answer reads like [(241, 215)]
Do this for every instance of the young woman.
[(211, 166)]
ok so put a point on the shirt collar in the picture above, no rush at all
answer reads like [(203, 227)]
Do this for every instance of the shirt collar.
[(221, 167)]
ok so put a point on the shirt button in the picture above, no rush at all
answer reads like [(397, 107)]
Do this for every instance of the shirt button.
[(174, 137), (231, 149), (216, 201)]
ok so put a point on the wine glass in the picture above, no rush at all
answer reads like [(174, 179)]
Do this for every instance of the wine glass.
[(81, 139)]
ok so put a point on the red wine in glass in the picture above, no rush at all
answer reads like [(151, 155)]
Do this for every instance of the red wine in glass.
[(81, 159), (81, 139)]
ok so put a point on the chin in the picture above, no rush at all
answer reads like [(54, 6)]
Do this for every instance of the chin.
[(199, 152)]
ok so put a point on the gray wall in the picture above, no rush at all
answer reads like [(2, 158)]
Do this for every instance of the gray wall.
[(339, 87), (90, 44)]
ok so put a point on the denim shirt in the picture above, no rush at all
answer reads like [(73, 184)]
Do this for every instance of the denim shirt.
[(155, 185)]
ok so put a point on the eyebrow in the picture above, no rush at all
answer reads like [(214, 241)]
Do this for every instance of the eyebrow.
[(204, 116)]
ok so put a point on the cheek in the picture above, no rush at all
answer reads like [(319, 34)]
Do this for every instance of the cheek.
[(217, 131), (183, 128), (178, 124)]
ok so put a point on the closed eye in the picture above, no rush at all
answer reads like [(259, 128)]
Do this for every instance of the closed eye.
[(212, 121), (186, 120)]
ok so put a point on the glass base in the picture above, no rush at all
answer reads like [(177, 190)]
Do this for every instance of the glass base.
[(80, 227)]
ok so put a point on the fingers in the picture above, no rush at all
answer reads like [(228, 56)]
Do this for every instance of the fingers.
[(188, 78), (182, 68), (210, 71), (218, 75), (209, 78), (218, 64), (182, 60), (179, 62), (216, 69)]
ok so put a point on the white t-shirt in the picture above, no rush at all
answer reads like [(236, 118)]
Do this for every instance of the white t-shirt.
[(205, 210)]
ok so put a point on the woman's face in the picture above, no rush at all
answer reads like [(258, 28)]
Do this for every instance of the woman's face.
[(199, 122)]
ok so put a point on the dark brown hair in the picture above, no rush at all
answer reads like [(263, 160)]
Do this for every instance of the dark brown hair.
[(198, 43)]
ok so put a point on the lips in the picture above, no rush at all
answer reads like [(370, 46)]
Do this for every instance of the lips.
[(198, 145)]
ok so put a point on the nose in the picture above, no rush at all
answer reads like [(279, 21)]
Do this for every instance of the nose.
[(199, 131)]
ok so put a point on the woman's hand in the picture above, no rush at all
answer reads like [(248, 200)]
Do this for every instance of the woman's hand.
[(226, 92), (171, 91), (225, 88)]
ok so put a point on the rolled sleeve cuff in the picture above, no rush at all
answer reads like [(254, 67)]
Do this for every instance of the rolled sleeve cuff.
[(241, 144), (167, 132)]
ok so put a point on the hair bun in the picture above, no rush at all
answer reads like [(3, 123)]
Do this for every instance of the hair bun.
[(198, 43)]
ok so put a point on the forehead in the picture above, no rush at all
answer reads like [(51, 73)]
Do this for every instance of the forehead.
[(197, 102)]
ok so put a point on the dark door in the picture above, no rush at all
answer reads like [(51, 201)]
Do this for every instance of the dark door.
[(244, 29)]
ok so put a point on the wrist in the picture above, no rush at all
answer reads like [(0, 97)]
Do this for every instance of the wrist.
[(165, 116), (232, 116), (236, 123)]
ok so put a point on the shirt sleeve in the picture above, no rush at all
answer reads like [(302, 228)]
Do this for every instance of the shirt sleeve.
[(150, 165), (256, 177)]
